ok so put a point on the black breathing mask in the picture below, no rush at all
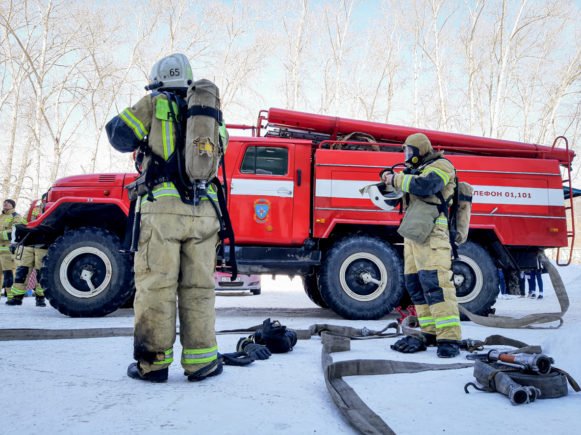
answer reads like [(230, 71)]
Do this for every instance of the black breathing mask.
[(412, 155)]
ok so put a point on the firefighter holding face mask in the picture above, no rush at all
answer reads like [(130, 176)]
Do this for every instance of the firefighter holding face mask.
[(176, 254), (427, 250)]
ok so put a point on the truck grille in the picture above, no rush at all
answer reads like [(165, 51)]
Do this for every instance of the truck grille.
[(107, 178)]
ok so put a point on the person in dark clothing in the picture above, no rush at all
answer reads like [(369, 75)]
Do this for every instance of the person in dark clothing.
[(522, 284), (502, 284), (535, 278)]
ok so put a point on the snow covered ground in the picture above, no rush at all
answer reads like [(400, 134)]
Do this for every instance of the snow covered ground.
[(80, 387)]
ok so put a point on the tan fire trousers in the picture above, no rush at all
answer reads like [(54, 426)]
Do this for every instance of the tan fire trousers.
[(428, 279), (31, 259), (176, 258), (6, 264)]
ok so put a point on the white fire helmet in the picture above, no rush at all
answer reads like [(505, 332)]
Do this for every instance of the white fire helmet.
[(384, 197), (171, 72)]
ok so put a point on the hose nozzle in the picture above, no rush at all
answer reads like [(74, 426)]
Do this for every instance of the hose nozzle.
[(522, 395)]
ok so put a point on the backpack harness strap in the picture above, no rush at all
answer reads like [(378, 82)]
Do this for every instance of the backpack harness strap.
[(205, 111), (449, 210)]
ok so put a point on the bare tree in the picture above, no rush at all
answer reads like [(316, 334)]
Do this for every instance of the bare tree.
[(513, 29), (337, 24), (431, 45), (570, 74), (239, 54), (16, 74), (66, 102), (416, 78), (296, 32), (38, 61), (105, 76), (513, 72), (573, 130), (373, 74), (473, 64)]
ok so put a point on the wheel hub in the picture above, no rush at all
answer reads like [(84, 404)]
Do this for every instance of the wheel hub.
[(86, 276), (458, 280), (85, 272), (363, 276), (467, 278), (366, 278)]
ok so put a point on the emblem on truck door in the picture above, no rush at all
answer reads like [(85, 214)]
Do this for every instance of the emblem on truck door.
[(261, 210)]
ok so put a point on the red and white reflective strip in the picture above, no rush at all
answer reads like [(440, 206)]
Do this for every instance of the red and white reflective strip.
[(518, 196), (254, 187), (349, 189), (341, 188)]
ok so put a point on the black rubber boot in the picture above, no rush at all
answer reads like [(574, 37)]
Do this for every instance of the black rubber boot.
[(210, 370), (15, 300), (414, 343), (448, 348), (156, 376), (40, 301), (430, 339)]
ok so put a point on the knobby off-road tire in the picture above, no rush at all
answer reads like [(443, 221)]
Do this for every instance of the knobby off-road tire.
[(85, 275), (311, 285), (362, 278), (475, 278)]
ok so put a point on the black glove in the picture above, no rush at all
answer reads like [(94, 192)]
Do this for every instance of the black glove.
[(256, 351), (20, 232), (239, 359), (276, 337), (471, 345), (12, 248), (409, 344)]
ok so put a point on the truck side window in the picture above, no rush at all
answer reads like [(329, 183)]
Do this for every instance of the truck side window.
[(265, 161)]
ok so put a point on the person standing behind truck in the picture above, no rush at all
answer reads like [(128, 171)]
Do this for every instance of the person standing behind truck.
[(535, 278), (176, 254), (427, 250), (502, 284), (8, 219)]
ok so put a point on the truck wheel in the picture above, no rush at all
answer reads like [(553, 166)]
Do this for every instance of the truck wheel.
[(85, 275), (312, 290), (362, 278), (475, 278)]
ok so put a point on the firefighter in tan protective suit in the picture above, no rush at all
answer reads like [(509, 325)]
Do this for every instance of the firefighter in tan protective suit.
[(30, 259), (8, 219), (428, 180), (176, 255)]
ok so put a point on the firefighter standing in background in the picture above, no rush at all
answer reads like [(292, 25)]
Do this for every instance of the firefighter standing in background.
[(177, 242), (30, 259), (8, 219), (427, 249)]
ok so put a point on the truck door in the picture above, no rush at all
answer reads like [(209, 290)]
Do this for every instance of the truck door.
[(262, 194)]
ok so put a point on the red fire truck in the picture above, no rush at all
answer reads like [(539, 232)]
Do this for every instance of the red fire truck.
[(296, 209)]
